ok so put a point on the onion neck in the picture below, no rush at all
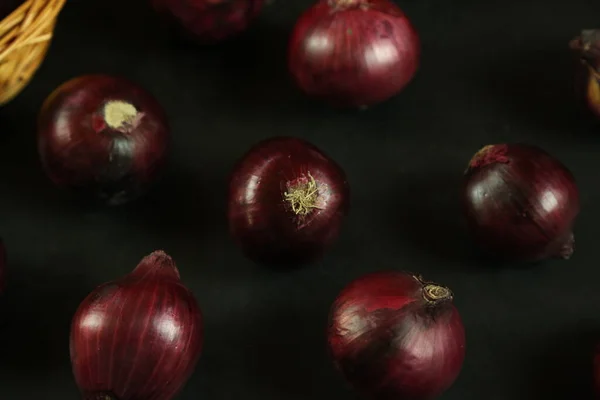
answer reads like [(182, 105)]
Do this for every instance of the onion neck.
[(118, 116), (303, 196), (434, 294), (490, 154), (157, 265)]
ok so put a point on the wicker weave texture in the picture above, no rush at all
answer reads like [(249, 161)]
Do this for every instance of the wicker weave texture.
[(24, 39)]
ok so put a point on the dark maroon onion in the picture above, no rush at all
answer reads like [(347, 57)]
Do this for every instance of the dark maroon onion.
[(520, 203), (138, 337), (209, 21), (104, 136), (353, 53), (287, 200), (587, 48), (395, 336)]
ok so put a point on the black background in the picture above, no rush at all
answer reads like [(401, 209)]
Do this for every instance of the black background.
[(492, 71)]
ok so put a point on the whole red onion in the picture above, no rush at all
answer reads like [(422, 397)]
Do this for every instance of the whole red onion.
[(103, 135), (353, 53), (395, 336), (287, 200), (210, 20), (520, 202), (587, 48), (138, 337)]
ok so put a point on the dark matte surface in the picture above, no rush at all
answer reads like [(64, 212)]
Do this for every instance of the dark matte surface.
[(492, 71)]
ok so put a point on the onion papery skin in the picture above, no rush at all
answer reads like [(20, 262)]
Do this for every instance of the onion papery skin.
[(209, 21), (103, 136), (138, 337), (353, 53), (394, 336), (520, 203), (587, 80), (261, 216)]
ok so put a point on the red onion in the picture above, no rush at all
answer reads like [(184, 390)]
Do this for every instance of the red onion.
[(138, 337), (287, 201), (210, 20), (587, 47), (353, 53), (520, 202), (102, 135), (395, 336)]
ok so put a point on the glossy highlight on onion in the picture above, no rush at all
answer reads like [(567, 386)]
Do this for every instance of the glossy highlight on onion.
[(520, 203), (103, 136), (353, 53), (138, 337), (287, 201), (587, 47), (396, 336), (210, 21)]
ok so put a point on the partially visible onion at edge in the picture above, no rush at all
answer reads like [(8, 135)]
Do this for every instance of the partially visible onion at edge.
[(587, 79), (138, 337), (209, 21), (353, 53), (596, 372), (520, 203), (287, 201), (395, 336)]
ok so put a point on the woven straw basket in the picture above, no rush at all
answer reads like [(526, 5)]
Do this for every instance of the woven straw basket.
[(24, 39)]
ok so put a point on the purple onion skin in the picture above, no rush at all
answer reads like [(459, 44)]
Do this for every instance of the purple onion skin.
[(587, 47), (395, 337), (348, 69), (80, 149), (520, 203), (210, 21), (139, 337), (263, 221)]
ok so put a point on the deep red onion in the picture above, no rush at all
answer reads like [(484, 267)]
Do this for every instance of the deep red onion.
[(138, 337), (287, 200), (353, 53), (210, 21), (395, 336), (587, 48), (520, 203), (103, 135)]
